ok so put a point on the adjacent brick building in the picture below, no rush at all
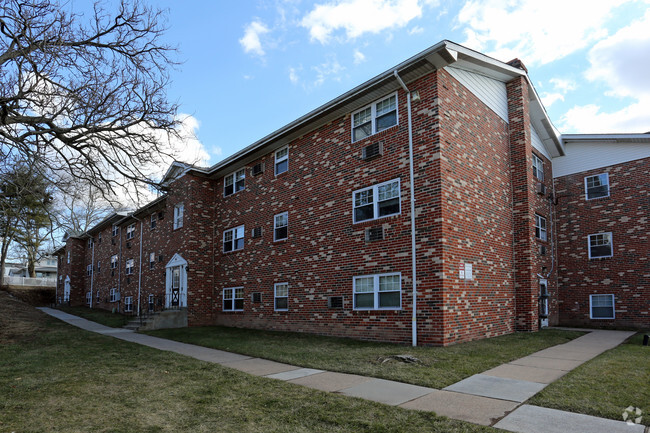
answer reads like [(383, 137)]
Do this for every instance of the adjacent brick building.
[(441, 168)]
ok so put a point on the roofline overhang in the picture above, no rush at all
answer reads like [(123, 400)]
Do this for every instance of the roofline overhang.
[(605, 138)]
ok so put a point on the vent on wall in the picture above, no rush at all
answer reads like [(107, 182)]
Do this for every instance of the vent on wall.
[(335, 302), (542, 250), (160, 258), (374, 234), (128, 244), (256, 298), (113, 241), (540, 189), (257, 232), (258, 169), (373, 150)]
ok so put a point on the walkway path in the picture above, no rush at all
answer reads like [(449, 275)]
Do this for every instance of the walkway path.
[(493, 397)]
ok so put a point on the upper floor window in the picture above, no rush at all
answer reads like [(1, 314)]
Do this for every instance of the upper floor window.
[(128, 304), (114, 261), (597, 186), (377, 201), (90, 242), (130, 231), (178, 216), (234, 182), (375, 292), (152, 260), (281, 160), (68, 256), (130, 264), (600, 245), (115, 230), (538, 167), (281, 226), (540, 227), (113, 295), (99, 238), (153, 219), (89, 270), (233, 239), (374, 118)]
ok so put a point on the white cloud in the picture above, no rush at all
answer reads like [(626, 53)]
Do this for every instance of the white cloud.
[(549, 99), (562, 84), (331, 67), (357, 17), (251, 39), (293, 75), (416, 30), (537, 32), (359, 57), (590, 119)]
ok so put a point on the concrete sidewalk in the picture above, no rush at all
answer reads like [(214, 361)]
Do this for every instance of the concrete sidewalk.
[(493, 397)]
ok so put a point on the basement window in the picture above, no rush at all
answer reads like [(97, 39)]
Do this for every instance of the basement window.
[(601, 306), (378, 292), (281, 296), (233, 299)]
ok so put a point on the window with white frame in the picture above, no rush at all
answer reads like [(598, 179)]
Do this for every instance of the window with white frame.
[(89, 270), (281, 160), (153, 220), (130, 231), (233, 239), (376, 292), (597, 186), (601, 306), (538, 167), (129, 266), (234, 182), (113, 295), (152, 260), (281, 226), (88, 297), (152, 304), (98, 297), (115, 230), (281, 296), (374, 118), (68, 256), (233, 299), (99, 238), (178, 215), (600, 245), (128, 304), (540, 227), (90, 242), (114, 261), (377, 201), (99, 266)]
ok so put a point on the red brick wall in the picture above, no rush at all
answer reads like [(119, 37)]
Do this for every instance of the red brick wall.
[(626, 275)]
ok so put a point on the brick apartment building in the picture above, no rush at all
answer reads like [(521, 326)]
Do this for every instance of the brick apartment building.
[(444, 171)]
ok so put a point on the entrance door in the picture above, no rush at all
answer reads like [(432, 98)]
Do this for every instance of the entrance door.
[(176, 283)]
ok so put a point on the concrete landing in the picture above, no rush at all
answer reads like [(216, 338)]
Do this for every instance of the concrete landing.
[(386, 391), (330, 381), (497, 387)]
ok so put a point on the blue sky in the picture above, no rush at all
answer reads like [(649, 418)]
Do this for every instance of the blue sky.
[(251, 67)]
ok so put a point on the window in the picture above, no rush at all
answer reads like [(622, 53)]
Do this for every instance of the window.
[(68, 256), (89, 270), (600, 245), (538, 167), (377, 201), (601, 306), (88, 297), (281, 160), (129, 266), (234, 182), (374, 118), (90, 243), (178, 216), (375, 292), (99, 238), (114, 261), (116, 230), (597, 186), (281, 296), (153, 220), (151, 303), (540, 227), (113, 295), (99, 266), (281, 226), (233, 299), (233, 239), (152, 260), (128, 304), (98, 297), (130, 231)]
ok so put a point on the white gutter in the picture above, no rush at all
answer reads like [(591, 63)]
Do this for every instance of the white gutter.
[(414, 319)]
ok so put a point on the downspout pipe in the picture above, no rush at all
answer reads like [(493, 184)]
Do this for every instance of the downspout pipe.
[(140, 265), (92, 271), (414, 319)]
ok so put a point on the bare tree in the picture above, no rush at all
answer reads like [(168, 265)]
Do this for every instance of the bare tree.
[(85, 97), (79, 210)]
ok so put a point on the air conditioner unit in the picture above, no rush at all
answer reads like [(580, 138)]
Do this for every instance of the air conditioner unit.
[(373, 150), (540, 188), (128, 244), (542, 250), (258, 169)]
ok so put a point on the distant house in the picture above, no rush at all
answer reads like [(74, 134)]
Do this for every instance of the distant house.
[(45, 269), (433, 204)]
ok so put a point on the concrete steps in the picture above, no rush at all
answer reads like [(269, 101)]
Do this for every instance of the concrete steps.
[(159, 320)]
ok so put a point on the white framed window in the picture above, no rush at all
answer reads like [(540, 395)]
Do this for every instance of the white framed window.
[(377, 201), (374, 118), (601, 307), (114, 261), (99, 238), (281, 160), (98, 297), (130, 231), (538, 167), (600, 245), (88, 297), (152, 260), (128, 304), (233, 299), (597, 186), (281, 291), (178, 215), (152, 304), (233, 239), (543, 299), (153, 220), (234, 182), (281, 226), (68, 256), (129, 266), (115, 230), (90, 242), (89, 270), (540, 227), (99, 266), (378, 292), (113, 295)]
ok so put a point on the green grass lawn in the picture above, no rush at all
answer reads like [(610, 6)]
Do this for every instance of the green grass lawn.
[(606, 385), (440, 366), (114, 320), (57, 378)]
